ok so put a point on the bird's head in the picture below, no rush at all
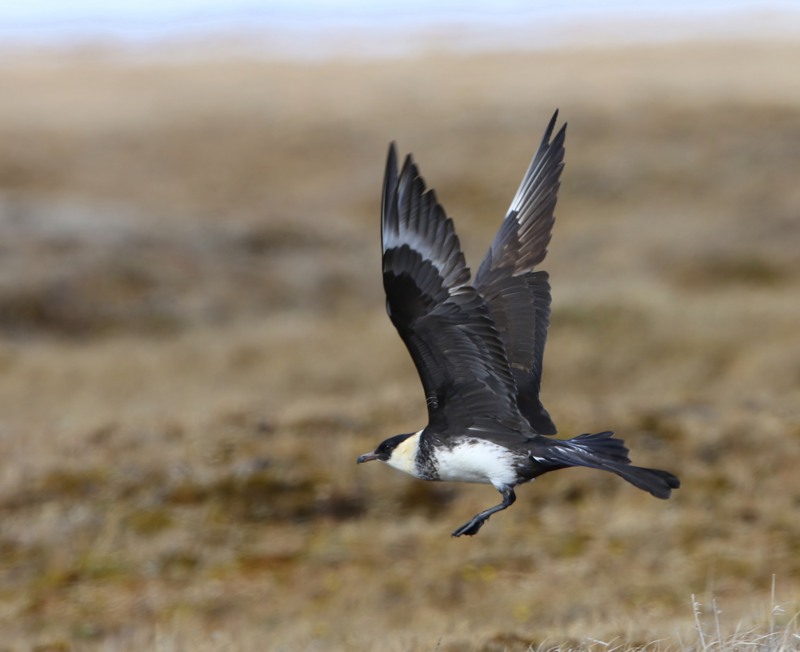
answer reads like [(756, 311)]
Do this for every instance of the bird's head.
[(393, 452)]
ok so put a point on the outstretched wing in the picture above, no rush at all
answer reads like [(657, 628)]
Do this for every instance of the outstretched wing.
[(521, 243), (444, 322), (519, 298), (520, 307)]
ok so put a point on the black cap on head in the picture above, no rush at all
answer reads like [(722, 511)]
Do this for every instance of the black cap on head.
[(384, 450)]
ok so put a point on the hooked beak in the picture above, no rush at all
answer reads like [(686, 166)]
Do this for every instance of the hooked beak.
[(367, 457)]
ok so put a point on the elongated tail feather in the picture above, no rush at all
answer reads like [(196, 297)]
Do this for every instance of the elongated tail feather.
[(603, 451), (655, 481)]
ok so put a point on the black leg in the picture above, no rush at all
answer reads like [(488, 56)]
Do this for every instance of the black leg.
[(479, 519)]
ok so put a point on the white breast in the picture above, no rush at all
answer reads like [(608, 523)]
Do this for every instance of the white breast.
[(477, 460)]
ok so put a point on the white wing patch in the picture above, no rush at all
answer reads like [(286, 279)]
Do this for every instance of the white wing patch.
[(416, 242)]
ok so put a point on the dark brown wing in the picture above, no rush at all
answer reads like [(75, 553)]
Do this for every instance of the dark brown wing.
[(520, 307), (444, 321), (518, 297)]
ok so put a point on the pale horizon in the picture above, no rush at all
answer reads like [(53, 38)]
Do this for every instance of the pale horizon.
[(316, 28)]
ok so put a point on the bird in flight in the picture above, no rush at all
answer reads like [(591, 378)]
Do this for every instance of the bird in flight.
[(478, 343)]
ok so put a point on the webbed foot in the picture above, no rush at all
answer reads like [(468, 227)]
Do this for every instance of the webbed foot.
[(471, 528), (478, 520)]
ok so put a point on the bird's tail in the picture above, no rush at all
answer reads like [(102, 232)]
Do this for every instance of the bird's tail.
[(602, 451)]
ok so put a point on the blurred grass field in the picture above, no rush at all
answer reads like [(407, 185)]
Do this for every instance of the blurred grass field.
[(194, 350)]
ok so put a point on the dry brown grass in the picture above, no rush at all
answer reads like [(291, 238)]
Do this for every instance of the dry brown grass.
[(194, 351)]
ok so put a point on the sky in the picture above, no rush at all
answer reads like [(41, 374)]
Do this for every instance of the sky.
[(126, 21)]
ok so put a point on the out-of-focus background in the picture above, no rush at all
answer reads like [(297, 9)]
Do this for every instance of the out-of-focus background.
[(193, 345)]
